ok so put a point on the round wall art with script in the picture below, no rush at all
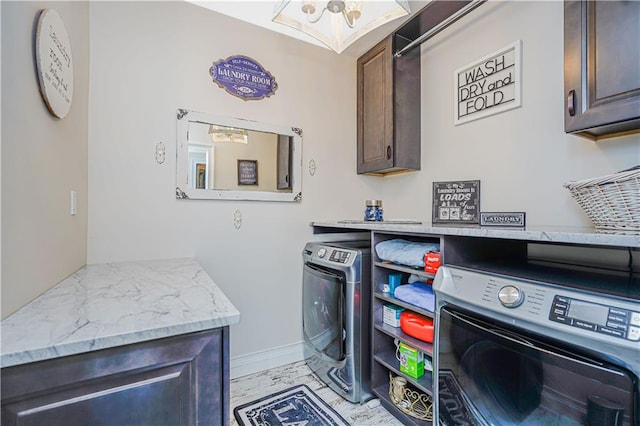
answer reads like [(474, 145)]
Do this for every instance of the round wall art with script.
[(55, 66)]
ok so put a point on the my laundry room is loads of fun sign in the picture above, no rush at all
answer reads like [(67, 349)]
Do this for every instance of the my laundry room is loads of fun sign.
[(489, 85), (456, 202)]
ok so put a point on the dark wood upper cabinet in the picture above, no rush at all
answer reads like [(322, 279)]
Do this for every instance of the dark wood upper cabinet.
[(389, 95), (602, 67), (388, 109)]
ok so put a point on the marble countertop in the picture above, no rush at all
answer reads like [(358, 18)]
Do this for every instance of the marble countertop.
[(114, 304), (585, 236)]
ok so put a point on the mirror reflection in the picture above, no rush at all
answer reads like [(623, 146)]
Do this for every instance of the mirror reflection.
[(231, 158), (226, 158)]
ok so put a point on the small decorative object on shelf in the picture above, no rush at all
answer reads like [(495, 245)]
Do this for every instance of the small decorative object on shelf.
[(373, 210), (409, 401)]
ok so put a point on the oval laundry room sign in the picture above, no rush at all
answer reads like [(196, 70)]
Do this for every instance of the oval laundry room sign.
[(243, 77), (54, 63)]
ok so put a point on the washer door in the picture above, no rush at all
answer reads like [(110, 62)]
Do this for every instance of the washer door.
[(323, 310), (492, 373)]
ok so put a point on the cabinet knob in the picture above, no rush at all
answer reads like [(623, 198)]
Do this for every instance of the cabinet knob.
[(571, 103), (388, 152)]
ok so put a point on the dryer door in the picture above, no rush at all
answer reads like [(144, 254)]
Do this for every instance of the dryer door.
[(323, 310)]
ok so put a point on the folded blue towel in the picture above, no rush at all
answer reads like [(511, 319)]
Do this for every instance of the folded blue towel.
[(419, 294), (404, 252)]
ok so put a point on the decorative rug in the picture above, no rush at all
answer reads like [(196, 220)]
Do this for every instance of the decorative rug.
[(297, 405)]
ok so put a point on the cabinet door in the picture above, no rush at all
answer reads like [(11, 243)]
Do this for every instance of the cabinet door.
[(602, 67), (375, 108), (284, 162), (174, 381)]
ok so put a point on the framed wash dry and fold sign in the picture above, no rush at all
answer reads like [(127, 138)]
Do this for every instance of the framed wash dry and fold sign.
[(488, 85), (456, 202)]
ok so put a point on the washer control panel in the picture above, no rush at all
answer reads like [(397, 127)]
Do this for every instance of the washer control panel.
[(595, 317)]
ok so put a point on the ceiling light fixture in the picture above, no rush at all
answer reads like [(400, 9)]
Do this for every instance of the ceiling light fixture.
[(346, 21), (228, 134)]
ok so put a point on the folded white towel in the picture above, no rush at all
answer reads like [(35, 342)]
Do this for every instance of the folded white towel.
[(404, 252)]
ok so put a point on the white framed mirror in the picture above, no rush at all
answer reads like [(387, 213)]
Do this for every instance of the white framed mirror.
[(223, 158)]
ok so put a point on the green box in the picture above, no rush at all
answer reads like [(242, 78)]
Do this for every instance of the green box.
[(411, 361)]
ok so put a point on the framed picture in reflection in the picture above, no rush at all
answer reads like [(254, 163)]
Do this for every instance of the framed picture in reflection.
[(247, 172), (201, 176)]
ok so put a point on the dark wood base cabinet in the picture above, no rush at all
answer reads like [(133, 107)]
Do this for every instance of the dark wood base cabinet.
[(182, 380)]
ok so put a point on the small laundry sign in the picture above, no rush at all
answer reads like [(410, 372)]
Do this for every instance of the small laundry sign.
[(503, 219), (243, 77)]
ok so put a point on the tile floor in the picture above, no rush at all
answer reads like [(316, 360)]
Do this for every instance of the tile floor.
[(254, 386)]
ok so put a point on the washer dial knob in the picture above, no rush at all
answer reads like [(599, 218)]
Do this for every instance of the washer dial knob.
[(322, 252), (510, 296)]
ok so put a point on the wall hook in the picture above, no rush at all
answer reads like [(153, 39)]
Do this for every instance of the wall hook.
[(237, 219), (160, 153)]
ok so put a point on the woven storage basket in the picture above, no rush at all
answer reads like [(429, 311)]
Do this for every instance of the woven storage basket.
[(612, 202)]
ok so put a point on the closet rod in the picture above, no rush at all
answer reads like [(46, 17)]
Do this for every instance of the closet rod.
[(442, 25)]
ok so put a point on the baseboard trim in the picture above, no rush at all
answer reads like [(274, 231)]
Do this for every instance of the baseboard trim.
[(259, 361)]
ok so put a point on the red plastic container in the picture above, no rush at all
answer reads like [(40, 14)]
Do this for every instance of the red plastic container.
[(416, 325)]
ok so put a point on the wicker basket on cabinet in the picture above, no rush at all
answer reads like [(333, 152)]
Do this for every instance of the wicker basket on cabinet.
[(612, 202)]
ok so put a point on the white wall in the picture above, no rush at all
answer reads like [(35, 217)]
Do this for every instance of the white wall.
[(43, 158), (147, 60), (522, 157)]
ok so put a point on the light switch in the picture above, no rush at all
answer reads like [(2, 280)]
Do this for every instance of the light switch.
[(74, 203)]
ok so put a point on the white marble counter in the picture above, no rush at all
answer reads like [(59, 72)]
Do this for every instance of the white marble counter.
[(114, 304), (547, 235)]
